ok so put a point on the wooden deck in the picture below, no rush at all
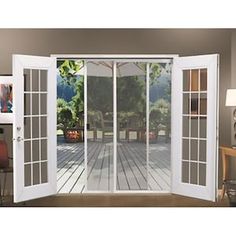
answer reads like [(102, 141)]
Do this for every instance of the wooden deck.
[(131, 167)]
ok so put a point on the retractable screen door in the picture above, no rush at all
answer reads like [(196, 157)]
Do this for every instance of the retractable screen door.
[(34, 129), (194, 126)]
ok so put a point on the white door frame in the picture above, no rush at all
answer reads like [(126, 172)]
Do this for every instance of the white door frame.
[(148, 58)]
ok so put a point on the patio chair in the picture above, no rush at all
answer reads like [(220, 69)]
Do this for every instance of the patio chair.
[(92, 125), (4, 167), (134, 126), (106, 126)]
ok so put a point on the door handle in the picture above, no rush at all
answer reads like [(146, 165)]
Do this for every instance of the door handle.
[(18, 139)]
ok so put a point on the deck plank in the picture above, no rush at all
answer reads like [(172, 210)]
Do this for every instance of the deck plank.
[(131, 167), (73, 178), (94, 167), (104, 174), (121, 174), (138, 170), (79, 185), (129, 172), (155, 172)]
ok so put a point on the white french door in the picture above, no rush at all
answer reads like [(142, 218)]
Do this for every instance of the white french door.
[(194, 126), (34, 127), (194, 137)]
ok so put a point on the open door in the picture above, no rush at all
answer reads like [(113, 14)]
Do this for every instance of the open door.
[(195, 126), (34, 127)]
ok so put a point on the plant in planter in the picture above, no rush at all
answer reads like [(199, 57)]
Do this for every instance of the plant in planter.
[(66, 122), (71, 112), (64, 115)]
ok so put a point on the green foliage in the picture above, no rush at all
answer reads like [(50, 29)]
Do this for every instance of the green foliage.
[(64, 115), (69, 69), (100, 94), (77, 103), (131, 94), (69, 72), (61, 103), (155, 72), (160, 114)]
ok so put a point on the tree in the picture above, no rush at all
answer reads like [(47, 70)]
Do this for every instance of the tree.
[(64, 115), (69, 69), (69, 73), (77, 103)]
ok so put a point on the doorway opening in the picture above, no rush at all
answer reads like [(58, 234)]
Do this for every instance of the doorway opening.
[(126, 104)]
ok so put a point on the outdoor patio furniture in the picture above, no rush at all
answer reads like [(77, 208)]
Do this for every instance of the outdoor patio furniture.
[(106, 126), (133, 125), (92, 125)]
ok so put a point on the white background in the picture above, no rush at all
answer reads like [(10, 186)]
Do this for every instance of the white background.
[(117, 14)]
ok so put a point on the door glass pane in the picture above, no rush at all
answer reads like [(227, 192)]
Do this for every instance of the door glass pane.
[(44, 149), (185, 172), (194, 149), (203, 104), (185, 149), (203, 127), (27, 175), (159, 173), (194, 127), (202, 150), (27, 104), (27, 127), (43, 81), (35, 104), (36, 178), (194, 80), (35, 149), (35, 127), (27, 150), (186, 80), (44, 172), (186, 99), (186, 120), (193, 173), (203, 79), (43, 104), (35, 80), (43, 127), (100, 125), (27, 79), (194, 104), (202, 174)]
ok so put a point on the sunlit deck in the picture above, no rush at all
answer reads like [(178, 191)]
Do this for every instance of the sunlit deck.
[(131, 167)]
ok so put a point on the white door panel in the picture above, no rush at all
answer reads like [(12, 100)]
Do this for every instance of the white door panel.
[(194, 126), (34, 129)]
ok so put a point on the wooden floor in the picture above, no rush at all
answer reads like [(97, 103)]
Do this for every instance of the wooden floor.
[(117, 200), (131, 167)]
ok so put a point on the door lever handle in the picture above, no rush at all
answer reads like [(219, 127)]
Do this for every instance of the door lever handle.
[(18, 139)]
